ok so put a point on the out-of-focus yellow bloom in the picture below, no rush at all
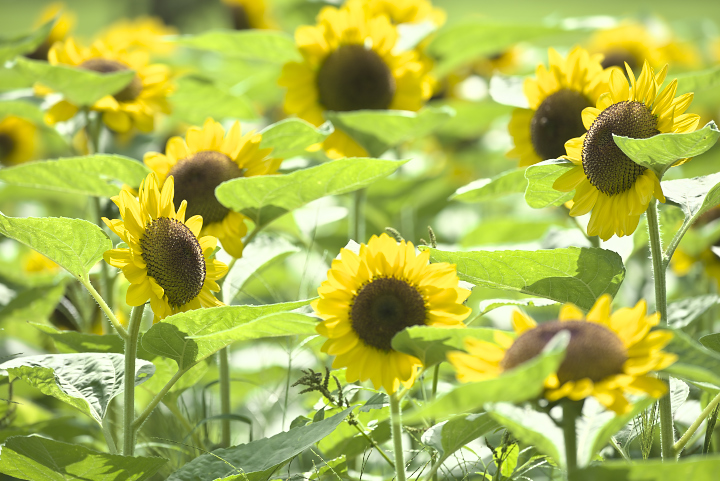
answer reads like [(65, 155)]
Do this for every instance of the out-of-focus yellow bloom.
[(143, 33), (18, 140), (36, 263), (61, 29), (249, 14)]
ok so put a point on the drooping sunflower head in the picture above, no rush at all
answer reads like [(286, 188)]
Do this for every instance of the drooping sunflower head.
[(607, 181), (165, 261), (18, 140), (371, 296), (249, 14), (349, 64), (64, 23), (136, 105), (204, 159), (610, 354), (556, 97)]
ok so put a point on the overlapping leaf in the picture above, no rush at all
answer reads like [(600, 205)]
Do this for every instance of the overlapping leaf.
[(510, 182), (196, 99), (12, 47), (291, 137), (258, 45), (541, 177)]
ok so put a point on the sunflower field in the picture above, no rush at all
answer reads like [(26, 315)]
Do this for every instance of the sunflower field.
[(259, 240)]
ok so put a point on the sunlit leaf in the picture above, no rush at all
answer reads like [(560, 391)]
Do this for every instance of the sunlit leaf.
[(698, 81), (196, 99), (260, 45), (686, 311), (488, 305), (292, 137), (23, 109), (12, 47), (697, 468), (34, 458), (695, 363), (506, 230), (541, 177), (471, 119), (510, 182), (34, 304), (449, 436), (84, 342), (572, 274)]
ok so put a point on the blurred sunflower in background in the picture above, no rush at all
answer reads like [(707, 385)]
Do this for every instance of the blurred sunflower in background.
[(60, 31), (371, 296), (18, 140), (556, 97), (349, 64), (249, 14), (36, 263), (606, 181), (136, 105), (609, 354), (146, 33), (406, 11), (204, 159), (165, 261)]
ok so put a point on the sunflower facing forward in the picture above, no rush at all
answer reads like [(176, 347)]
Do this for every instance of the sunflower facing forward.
[(606, 181), (349, 64), (371, 296), (556, 96), (165, 261), (203, 160), (609, 354), (134, 105)]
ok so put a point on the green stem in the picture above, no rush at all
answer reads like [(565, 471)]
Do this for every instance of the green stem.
[(436, 378), (667, 430), (396, 425), (358, 215), (224, 380), (619, 449), (374, 444), (131, 345), (107, 433), (103, 305), (158, 397), (680, 445), (571, 412)]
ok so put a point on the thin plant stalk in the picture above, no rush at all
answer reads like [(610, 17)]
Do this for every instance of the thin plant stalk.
[(667, 430), (107, 433), (571, 412), (682, 442), (358, 215), (131, 345), (105, 308), (396, 425), (156, 400), (224, 381)]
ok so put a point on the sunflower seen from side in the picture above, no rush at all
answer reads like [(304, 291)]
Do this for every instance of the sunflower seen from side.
[(349, 64), (610, 354), (204, 159), (371, 296), (605, 180), (556, 97), (166, 261)]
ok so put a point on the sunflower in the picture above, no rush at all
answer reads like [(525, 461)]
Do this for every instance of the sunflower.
[(609, 355), (203, 160), (406, 11), (36, 263), (18, 138), (371, 296), (249, 14), (349, 64), (65, 22), (605, 180), (165, 260), (142, 33), (135, 105), (557, 97)]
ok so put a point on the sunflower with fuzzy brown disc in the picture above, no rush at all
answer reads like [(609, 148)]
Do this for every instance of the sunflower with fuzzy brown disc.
[(349, 64), (18, 140), (165, 261), (609, 354), (204, 159), (556, 96), (606, 181), (136, 105), (371, 296)]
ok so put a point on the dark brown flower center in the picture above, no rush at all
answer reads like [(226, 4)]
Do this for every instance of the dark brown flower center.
[(240, 18), (196, 178), (617, 57), (174, 259), (7, 146), (594, 352), (104, 65), (557, 120), (355, 78), (384, 307), (605, 165)]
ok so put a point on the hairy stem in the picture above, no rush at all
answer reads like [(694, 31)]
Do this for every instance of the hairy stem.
[(107, 433), (103, 305), (224, 379), (682, 442), (374, 444), (158, 397), (396, 425), (131, 344)]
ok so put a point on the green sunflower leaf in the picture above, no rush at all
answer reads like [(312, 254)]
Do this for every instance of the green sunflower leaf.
[(697, 468), (686, 311), (23, 109), (660, 152), (258, 45), (449, 436), (33, 458), (695, 363), (510, 182), (379, 130), (74, 244), (540, 178), (256, 460), (471, 119), (84, 342), (506, 230), (197, 98), (571, 274), (86, 381), (100, 175), (292, 137), (35, 303), (488, 305), (12, 47), (265, 198), (189, 337), (431, 344), (698, 81), (80, 87)]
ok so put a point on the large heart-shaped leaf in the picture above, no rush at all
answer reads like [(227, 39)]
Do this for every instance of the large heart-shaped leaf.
[(258, 45), (291, 137)]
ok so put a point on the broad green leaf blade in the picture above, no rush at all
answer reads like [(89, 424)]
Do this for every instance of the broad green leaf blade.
[(259, 45), (74, 244), (35, 303), (572, 274), (87, 381), (490, 304), (449, 436), (510, 182), (431, 344), (80, 87), (506, 230), (264, 198), (541, 177), (84, 342), (196, 99), (292, 137), (190, 337), (21, 108), (98, 175), (660, 152), (686, 311), (695, 363), (35, 458), (697, 81), (471, 119), (379, 130), (695, 468), (258, 456), (12, 47), (711, 341)]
